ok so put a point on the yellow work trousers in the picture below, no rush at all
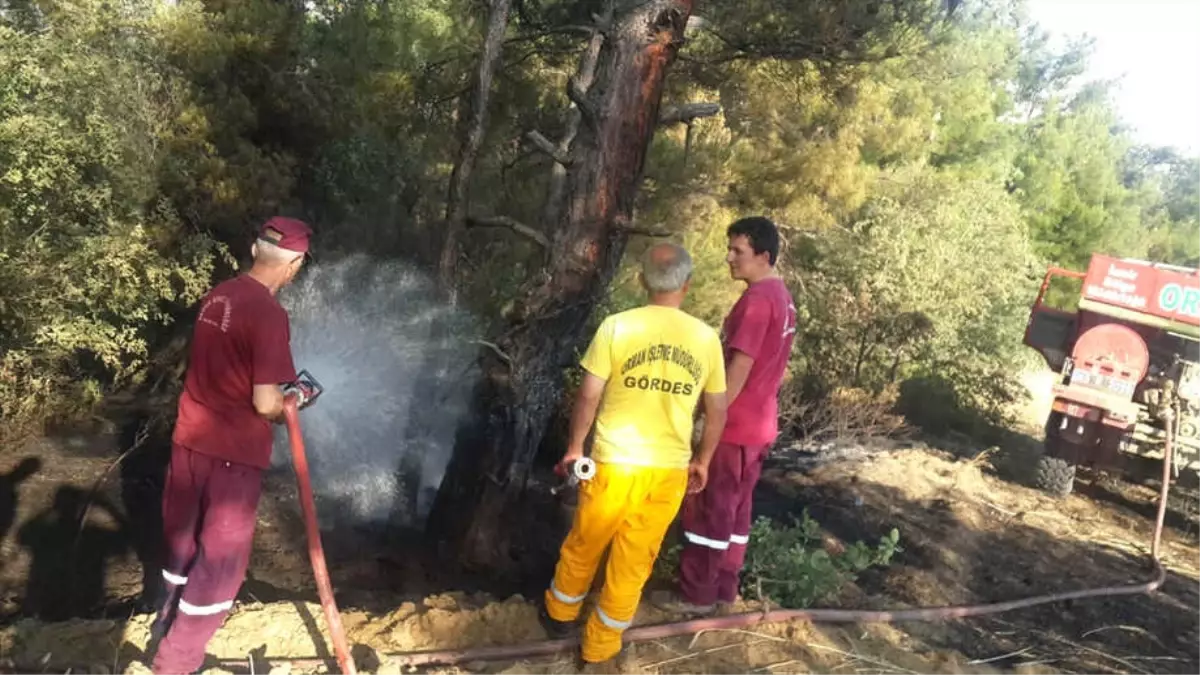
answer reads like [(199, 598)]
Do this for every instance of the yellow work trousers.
[(629, 507)]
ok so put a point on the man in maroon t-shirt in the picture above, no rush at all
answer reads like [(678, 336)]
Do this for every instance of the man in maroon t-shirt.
[(240, 355), (758, 336)]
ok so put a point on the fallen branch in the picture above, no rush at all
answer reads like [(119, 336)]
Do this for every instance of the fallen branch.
[(768, 668), (511, 224), (762, 636), (547, 148), (882, 664), (1132, 629), (685, 657), (687, 113), (1099, 653), (139, 439), (993, 659), (499, 352)]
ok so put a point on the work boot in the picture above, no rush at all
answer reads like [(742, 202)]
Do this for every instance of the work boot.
[(674, 603), (623, 663), (167, 601), (557, 630), (727, 607)]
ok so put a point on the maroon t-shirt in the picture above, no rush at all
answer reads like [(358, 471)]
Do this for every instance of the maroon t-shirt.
[(241, 338), (762, 325)]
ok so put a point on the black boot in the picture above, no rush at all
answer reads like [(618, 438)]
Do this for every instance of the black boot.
[(557, 630), (166, 604)]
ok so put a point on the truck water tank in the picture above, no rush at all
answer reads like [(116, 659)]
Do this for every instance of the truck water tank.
[(1116, 346)]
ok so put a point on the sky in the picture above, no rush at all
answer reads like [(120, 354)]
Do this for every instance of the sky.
[(1153, 47)]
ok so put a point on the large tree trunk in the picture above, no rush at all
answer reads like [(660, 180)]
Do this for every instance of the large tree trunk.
[(473, 121), (475, 516)]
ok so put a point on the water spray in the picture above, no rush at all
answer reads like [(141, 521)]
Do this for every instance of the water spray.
[(402, 362)]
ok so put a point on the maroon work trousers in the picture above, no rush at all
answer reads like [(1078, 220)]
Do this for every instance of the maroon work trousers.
[(209, 511), (716, 525)]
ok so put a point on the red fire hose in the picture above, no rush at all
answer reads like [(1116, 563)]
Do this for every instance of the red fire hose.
[(546, 647), (451, 656), (316, 552)]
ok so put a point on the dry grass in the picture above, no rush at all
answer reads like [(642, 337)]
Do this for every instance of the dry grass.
[(846, 415)]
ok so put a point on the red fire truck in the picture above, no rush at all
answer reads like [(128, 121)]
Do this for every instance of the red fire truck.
[(1128, 360)]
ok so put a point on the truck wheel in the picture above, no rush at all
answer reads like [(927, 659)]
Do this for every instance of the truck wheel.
[(1054, 475)]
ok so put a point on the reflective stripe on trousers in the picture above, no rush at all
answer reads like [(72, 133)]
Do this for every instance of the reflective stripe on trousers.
[(716, 525), (629, 507), (209, 514)]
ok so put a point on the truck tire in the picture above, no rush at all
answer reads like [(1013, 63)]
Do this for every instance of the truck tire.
[(1054, 475)]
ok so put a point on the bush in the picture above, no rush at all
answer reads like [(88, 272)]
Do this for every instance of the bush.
[(969, 401), (787, 566), (932, 280), (90, 258)]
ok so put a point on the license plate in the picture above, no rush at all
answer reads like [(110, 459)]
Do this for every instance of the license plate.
[(1098, 381)]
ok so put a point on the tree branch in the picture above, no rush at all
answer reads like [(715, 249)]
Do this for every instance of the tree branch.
[(584, 75), (624, 225), (557, 30), (511, 224), (687, 113), (546, 147), (473, 121), (578, 95)]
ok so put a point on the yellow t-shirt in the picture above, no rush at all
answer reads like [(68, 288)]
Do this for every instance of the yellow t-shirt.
[(656, 361)]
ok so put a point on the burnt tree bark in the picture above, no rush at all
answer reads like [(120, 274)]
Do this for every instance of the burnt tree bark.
[(474, 122), (616, 95)]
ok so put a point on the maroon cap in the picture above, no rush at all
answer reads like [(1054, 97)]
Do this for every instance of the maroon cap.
[(286, 233)]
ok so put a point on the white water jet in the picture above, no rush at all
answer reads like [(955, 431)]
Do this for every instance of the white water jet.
[(397, 365)]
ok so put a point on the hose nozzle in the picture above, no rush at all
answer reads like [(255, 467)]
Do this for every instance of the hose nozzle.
[(305, 389), (578, 471)]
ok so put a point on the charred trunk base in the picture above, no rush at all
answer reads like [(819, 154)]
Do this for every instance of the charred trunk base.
[(494, 516)]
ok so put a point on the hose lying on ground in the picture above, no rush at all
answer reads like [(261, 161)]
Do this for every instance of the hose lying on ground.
[(657, 632)]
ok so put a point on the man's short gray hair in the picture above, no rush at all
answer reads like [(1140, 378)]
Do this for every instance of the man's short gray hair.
[(274, 255), (666, 268)]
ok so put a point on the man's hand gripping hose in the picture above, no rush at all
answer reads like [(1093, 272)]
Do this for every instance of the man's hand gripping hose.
[(574, 472), (298, 395), (305, 389)]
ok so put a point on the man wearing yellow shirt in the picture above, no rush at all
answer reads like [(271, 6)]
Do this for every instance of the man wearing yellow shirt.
[(644, 372)]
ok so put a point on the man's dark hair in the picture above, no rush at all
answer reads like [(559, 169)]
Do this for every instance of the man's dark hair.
[(761, 232)]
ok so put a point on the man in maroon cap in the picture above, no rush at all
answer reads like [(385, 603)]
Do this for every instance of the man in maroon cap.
[(240, 355)]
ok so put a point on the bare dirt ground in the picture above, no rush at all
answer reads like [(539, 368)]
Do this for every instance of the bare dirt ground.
[(968, 535)]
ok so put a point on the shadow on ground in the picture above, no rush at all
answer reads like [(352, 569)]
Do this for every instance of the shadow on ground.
[(81, 531)]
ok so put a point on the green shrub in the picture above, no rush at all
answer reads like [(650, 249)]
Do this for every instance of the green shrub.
[(788, 567), (932, 281), (91, 259)]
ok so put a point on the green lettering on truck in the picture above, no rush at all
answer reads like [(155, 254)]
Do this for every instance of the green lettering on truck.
[(1191, 302), (1169, 296)]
